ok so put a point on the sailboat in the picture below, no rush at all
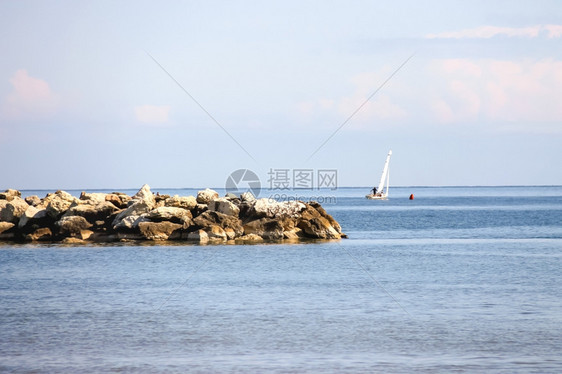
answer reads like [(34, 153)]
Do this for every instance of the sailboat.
[(381, 193)]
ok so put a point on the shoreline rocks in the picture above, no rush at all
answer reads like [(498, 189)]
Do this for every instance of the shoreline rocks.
[(207, 218)]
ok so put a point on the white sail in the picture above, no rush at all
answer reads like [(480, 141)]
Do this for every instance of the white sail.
[(384, 176), (387, 180)]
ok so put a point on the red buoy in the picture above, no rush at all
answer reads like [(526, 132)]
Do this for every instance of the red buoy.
[(412, 197)]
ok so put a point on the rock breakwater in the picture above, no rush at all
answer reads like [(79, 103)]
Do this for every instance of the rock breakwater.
[(108, 217)]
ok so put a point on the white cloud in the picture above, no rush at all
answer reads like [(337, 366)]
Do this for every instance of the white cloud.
[(486, 32), (500, 95), (152, 114), (523, 92), (554, 31), (30, 99)]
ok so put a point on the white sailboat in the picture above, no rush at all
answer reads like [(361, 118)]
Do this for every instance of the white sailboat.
[(381, 193)]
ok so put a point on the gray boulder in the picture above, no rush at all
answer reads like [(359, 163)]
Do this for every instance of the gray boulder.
[(141, 203), (144, 194), (206, 195), (270, 208), (12, 210), (93, 197), (57, 203), (72, 226), (98, 210), (31, 215), (223, 205), (129, 223)]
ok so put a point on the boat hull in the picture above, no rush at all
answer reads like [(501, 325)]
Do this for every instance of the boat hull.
[(377, 196)]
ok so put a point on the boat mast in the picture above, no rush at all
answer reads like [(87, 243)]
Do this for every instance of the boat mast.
[(384, 173)]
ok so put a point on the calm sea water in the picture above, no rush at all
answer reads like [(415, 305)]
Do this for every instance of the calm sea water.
[(459, 279)]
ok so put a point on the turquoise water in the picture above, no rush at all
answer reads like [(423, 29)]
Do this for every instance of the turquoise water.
[(459, 279)]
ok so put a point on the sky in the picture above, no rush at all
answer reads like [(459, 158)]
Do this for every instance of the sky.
[(180, 94)]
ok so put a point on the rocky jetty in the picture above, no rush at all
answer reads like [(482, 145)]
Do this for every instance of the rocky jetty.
[(107, 217)]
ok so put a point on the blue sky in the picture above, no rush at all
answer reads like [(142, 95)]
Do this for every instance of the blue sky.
[(83, 105)]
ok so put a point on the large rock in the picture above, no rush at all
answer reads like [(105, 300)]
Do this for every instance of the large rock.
[(119, 199), (160, 230), (210, 218), (200, 236), (32, 215), (294, 234), (206, 195), (42, 233), (324, 214), (270, 208), (141, 203), (185, 202), (172, 214), (144, 194), (215, 232), (230, 233), (98, 210), (222, 205), (6, 230), (199, 209), (314, 225), (129, 223), (73, 226), (33, 200), (93, 197), (231, 197), (319, 228), (58, 203), (160, 199), (267, 228), (12, 210), (9, 194)]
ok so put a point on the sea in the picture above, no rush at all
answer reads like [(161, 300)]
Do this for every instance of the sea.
[(459, 279)]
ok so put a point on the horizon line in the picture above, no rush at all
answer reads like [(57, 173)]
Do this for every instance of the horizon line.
[(294, 189)]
